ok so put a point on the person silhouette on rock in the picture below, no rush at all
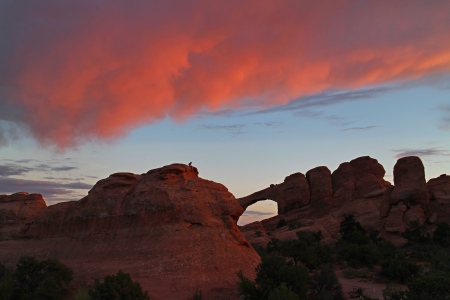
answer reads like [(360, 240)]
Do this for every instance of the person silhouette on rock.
[(190, 164)]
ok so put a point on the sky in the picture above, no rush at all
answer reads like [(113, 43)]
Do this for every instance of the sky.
[(249, 91)]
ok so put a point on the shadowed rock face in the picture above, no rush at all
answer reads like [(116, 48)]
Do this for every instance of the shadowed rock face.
[(17, 211), (360, 178), (358, 188), (409, 181), (171, 230), (439, 204), (319, 180), (293, 193)]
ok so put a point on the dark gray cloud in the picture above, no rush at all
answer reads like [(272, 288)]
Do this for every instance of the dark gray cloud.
[(318, 115), (62, 178), (326, 99), (258, 213), (48, 189), (232, 129), (269, 124), (362, 128), (22, 166), (424, 152), (63, 168), (13, 170)]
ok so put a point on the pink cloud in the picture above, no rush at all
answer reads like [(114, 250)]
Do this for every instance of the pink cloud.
[(81, 70)]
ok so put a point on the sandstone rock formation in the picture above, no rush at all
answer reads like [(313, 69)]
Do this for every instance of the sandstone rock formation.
[(171, 230), (320, 185), (358, 188), (408, 201), (439, 203), (18, 210), (409, 181), (291, 194)]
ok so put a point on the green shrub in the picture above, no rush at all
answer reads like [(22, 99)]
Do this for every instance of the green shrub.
[(271, 273), (82, 294), (47, 279), (118, 287), (415, 233), (198, 295), (442, 234), (6, 283), (393, 292), (352, 231), (357, 256), (307, 249), (283, 292), (248, 288), (356, 273), (275, 270), (430, 286), (325, 284), (401, 270)]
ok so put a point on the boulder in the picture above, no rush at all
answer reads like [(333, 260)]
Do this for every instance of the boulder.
[(360, 178), (366, 165), (320, 186), (343, 182), (295, 192), (439, 205), (369, 186), (415, 213), (394, 222), (409, 181), (439, 189), (385, 204), (18, 210)]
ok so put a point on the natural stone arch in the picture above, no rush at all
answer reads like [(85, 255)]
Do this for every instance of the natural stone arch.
[(291, 194)]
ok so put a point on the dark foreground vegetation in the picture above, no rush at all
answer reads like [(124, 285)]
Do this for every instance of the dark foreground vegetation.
[(289, 270), (304, 268), (50, 280)]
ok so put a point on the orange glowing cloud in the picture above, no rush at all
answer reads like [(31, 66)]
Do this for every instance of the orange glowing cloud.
[(80, 70)]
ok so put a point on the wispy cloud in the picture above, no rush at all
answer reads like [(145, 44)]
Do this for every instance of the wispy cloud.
[(423, 152), (13, 170), (362, 128), (22, 166), (269, 124), (325, 99), (237, 129), (232, 129), (48, 189), (258, 213), (62, 178)]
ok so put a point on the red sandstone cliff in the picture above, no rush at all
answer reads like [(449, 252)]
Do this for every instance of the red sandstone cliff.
[(171, 230)]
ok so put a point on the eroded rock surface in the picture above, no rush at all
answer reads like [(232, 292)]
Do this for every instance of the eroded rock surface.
[(18, 211), (171, 230), (358, 188), (291, 194)]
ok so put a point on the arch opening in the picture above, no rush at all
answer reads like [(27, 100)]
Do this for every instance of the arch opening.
[(258, 211)]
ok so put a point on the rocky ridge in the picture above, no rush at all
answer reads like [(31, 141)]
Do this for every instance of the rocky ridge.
[(358, 188), (170, 229)]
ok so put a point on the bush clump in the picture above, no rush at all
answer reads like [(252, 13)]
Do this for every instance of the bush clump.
[(118, 287)]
